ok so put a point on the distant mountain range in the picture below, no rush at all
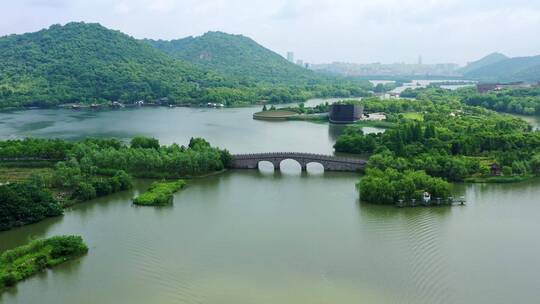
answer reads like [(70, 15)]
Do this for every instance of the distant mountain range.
[(497, 67), (81, 62), (485, 61)]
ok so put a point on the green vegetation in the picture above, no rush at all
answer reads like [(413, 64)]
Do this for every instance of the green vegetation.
[(159, 194), (300, 112), (174, 161), (16, 172), (24, 261), (82, 183), (238, 57), (88, 63), (488, 60), (524, 101), (90, 169), (518, 101), (30, 148), (383, 124), (413, 116), (499, 68), (23, 203), (391, 185), (454, 141), (386, 87), (274, 115), (302, 109), (144, 158)]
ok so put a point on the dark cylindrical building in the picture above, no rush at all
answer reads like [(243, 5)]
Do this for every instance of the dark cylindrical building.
[(345, 113)]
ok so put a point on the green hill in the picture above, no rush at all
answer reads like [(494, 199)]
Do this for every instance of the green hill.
[(485, 61), (82, 62), (237, 56), (525, 69), (89, 63)]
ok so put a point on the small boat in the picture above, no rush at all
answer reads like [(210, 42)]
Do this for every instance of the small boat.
[(426, 198)]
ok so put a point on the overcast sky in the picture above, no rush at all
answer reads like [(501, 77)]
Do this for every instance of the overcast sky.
[(318, 31)]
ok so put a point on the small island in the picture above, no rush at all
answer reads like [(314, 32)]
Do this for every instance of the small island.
[(274, 115), (24, 261), (159, 194)]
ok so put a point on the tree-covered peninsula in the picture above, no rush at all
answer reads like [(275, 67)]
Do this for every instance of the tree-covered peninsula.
[(61, 173), (446, 139), (24, 261), (524, 101)]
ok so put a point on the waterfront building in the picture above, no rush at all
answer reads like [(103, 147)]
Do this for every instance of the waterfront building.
[(345, 113)]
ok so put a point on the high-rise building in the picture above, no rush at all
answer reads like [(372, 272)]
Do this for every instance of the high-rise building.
[(300, 62), (420, 60), (290, 56)]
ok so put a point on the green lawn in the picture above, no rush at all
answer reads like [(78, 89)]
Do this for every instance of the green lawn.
[(414, 116), (15, 174)]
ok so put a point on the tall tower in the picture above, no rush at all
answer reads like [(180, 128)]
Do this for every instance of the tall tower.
[(420, 60), (290, 56)]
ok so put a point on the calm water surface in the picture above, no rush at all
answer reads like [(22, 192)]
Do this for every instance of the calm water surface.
[(229, 128), (275, 237)]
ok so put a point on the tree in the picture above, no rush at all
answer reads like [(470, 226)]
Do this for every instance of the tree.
[(145, 142), (535, 164), (84, 192)]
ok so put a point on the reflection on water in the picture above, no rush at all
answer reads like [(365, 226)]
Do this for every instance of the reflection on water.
[(233, 129), (258, 236), (266, 236), (534, 121)]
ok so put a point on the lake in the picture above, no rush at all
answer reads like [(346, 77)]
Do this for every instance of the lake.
[(275, 237)]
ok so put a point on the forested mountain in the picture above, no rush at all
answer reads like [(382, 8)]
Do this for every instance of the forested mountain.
[(485, 61), (237, 56), (508, 70), (90, 63)]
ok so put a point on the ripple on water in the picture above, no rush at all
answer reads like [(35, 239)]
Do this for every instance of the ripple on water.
[(160, 268), (418, 233), (426, 259)]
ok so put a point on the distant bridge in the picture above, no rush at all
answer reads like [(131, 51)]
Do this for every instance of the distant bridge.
[(329, 163)]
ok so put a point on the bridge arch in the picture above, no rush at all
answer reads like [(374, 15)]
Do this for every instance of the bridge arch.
[(287, 163), (315, 166), (265, 165)]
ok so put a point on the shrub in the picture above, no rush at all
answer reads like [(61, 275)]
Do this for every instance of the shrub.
[(84, 192), (8, 279), (66, 246)]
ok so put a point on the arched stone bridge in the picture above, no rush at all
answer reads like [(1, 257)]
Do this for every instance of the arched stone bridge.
[(330, 163)]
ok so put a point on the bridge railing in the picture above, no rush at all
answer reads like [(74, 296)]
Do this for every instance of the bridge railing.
[(298, 155)]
